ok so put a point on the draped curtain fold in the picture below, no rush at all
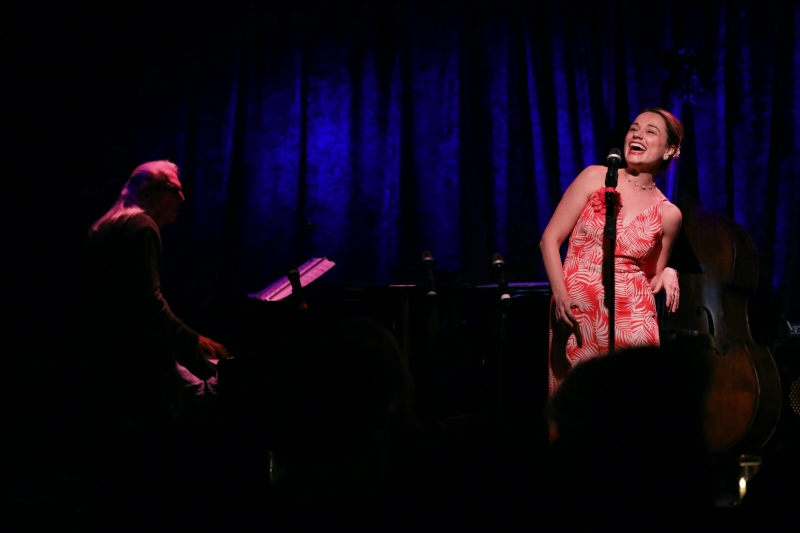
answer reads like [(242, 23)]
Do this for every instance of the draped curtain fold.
[(370, 132)]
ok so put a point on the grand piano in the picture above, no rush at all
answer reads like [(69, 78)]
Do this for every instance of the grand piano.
[(468, 352)]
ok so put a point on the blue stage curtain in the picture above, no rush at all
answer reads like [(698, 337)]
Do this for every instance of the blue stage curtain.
[(369, 132)]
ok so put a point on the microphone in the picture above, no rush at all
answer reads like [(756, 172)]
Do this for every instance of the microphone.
[(297, 289), (499, 267), (427, 264), (613, 162)]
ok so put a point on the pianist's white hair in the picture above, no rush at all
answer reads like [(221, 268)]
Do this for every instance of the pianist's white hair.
[(132, 198)]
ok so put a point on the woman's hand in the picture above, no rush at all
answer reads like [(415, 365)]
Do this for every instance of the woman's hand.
[(563, 316), (668, 280)]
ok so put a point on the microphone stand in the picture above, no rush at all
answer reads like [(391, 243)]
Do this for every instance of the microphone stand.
[(613, 161), (431, 374), (498, 265)]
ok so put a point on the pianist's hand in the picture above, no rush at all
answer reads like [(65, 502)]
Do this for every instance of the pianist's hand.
[(211, 349)]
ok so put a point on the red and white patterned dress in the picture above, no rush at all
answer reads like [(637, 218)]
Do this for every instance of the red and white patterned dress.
[(635, 316)]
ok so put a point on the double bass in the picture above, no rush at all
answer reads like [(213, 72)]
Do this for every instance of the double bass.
[(743, 400)]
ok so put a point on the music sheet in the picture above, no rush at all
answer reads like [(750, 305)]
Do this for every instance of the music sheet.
[(282, 288)]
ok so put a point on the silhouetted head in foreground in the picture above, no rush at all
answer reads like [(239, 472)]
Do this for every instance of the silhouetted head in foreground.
[(629, 443)]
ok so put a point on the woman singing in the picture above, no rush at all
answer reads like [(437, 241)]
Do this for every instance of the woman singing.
[(647, 225)]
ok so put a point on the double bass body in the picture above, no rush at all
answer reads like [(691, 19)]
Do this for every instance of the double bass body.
[(744, 392)]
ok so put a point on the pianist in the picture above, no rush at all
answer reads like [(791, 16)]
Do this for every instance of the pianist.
[(135, 342)]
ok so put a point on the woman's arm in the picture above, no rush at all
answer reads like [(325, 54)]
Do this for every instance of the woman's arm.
[(558, 229), (667, 278)]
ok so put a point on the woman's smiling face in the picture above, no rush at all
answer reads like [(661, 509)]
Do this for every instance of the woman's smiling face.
[(646, 144)]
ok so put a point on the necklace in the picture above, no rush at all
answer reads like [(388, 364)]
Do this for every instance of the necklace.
[(642, 186)]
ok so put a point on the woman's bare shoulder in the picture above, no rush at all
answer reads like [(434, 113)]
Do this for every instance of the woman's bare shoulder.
[(671, 210), (594, 172), (671, 215), (589, 180)]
